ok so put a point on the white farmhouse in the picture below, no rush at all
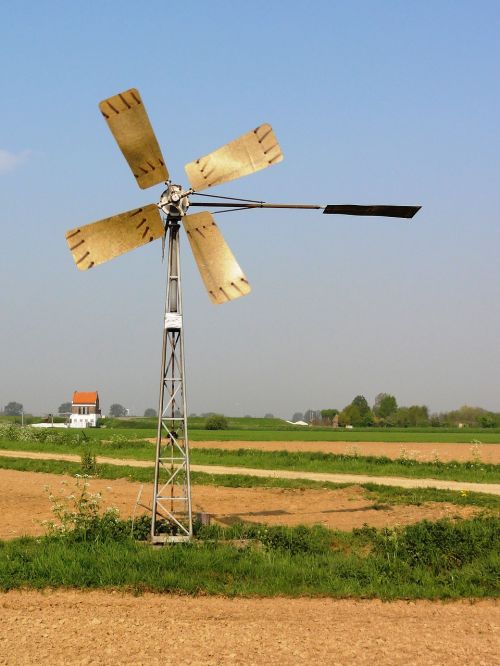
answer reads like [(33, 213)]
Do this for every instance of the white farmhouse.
[(84, 409)]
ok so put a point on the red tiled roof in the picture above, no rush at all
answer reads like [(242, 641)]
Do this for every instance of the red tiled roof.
[(85, 397)]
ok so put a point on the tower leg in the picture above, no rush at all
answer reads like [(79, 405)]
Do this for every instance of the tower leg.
[(172, 519)]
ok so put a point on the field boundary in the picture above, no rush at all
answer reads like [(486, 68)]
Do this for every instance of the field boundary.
[(401, 482)]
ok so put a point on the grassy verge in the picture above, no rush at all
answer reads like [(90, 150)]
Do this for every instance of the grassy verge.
[(440, 560), (347, 464), (379, 494)]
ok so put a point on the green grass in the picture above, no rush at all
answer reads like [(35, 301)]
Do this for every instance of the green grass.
[(378, 494), (442, 560), (284, 433)]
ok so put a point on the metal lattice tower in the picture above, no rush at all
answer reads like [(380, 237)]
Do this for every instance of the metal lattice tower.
[(172, 485)]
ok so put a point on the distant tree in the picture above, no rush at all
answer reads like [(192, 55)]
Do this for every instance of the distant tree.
[(361, 403), (150, 412), (117, 410), (413, 416), (435, 420), (470, 416), (488, 421), (216, 422), (13, 409), (350, 415), (385, 405), (298, 416), (327, 415), (64, 408), (269, 416), (419, 415), (365, 417)]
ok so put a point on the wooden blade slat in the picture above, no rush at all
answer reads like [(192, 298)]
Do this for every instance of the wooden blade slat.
[(220, 272), (247, 154), (129, 124), (101, 241)]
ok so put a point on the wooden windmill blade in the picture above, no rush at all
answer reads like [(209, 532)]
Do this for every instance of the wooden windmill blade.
[(129, 123), (249, 153), (221, 274), (100, 241)]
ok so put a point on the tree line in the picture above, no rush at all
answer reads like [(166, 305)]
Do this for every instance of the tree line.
[(385, 412)]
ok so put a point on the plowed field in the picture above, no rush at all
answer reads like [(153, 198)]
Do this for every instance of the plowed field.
[(69, 628)]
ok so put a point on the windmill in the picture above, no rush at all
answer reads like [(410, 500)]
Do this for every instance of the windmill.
[(224, 280)]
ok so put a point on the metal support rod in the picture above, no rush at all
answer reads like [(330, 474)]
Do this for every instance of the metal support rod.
[(242, 204), (172, 511)]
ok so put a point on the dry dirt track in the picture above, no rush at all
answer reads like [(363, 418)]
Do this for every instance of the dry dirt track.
[(24, 504), (69, 627)]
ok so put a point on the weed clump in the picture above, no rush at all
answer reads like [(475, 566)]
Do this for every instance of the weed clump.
[(441, 545), (89, 464), (79, 516)]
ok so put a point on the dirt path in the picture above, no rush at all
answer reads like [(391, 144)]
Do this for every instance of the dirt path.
[(24, 504), (423, 452), (76, 628), (401, 482)]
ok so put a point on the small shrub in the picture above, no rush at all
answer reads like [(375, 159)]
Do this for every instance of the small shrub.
[(216, 422)]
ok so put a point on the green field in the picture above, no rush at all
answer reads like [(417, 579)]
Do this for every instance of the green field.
[(267, 430), (260, 429)]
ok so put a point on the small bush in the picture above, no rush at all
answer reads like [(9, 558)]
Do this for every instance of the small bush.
[(216, 422)]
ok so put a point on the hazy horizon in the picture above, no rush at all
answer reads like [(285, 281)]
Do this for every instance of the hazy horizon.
[(389, 103)]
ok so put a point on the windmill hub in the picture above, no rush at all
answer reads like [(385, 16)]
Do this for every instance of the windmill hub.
[(174, 201)]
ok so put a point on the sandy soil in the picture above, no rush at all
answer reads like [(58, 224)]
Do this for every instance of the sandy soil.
[(489, 453), (24, 504), (69, 627)]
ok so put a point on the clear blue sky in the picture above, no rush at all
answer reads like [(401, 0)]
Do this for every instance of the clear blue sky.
[(372, 102)]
